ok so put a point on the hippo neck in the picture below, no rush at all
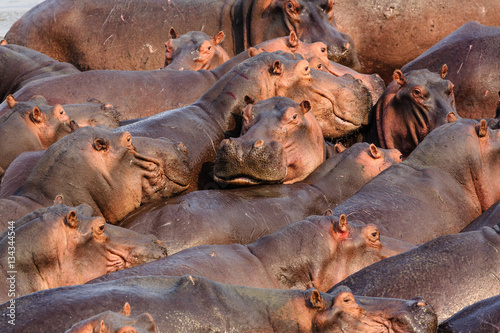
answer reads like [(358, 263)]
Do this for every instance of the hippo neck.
[(225, 67)]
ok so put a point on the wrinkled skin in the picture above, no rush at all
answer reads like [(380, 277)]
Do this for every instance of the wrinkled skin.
[(481, 316), (29, 126), (108, 24), (411, 107), (119, 322), (389, 34), (243, 215), (194, 50), (317, 251), (443, 185), (280, 142), (468, 265), (124, 174), (71, 247), (471, 53), (174, 303)]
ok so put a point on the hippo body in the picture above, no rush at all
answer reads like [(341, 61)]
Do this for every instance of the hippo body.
[(174, 303), (471, 53), (468, 265), (131, 35)]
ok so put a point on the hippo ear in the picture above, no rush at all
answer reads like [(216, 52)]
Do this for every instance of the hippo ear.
[(444, 71), (399, 77), (374, 151), (218, 38), (102, 328), (305, 105), (316, 300), (58, 200), (71, 219), (3, 42), (173, 33), (343, 224), (126, 309), (483, 128), (36, 115), (293, 40), (100, 144), (339, 147), (451, 117), (11, 101), (252, 51), (328, 212), (277, 68)]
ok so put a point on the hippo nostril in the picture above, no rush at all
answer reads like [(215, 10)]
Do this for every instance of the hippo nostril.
[(258, 143)]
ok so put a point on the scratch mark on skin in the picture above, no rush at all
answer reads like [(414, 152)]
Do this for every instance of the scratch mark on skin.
[(107, 39), (240, 74), (230, 93), (107, 18), (191, 278), (211, 141), (470, 47)]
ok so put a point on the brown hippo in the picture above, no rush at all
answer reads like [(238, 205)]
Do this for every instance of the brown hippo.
[(93, 113), (194, 50), (119, 322), (340, 104), (71, 247), (104, 170), (471, 53), (130, 36), (242, 215), (389, 34), (482, 316), (29, 126), (317, 251), (280, 142), (196, 304), (441, 187), (450, 272)]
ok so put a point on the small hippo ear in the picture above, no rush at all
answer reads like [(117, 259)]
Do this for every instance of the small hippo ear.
[(100, 144), (173, 33), (399, 77), (126, 309), (328, 212), (305, 105), (36, 115), (339, 147), (293, 40), (102, 328), (316, 300), (252, 51), (374, 151), (71, 219), (483, 128), (277, 68), (451, 117), (218, 38), (444, 71), (11, 101), (3, 42), (343, 223), (58, 200)]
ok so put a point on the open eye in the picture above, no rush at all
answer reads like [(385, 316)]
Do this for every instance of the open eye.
[(289, 5), (323, 49), (294, 116)]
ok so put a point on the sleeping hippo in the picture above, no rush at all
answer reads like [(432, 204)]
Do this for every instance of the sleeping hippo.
[(71, 247), (123, 174), (194, 50)]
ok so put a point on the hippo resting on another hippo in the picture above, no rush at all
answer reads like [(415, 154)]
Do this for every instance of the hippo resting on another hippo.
[(71, 247), (195, 304), (123, 174), (451, 272), (471, 53), (112, 42)]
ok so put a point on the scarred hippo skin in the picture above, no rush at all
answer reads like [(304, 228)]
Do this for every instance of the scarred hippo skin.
[(389, 34), (130, 36), (317, 251), (450, 272), (439, 189), (413, 105), (20, 65), (471, 53), (119, 322), (174, 303), (482, 316), (243, 215), (71, 247), (123, 174), (337, 103), (194, 50)]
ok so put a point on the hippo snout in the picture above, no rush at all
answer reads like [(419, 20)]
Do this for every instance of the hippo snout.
[(344, 54), (418, 316)]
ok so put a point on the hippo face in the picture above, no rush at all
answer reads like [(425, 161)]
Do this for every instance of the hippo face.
[(280, 142), (341, 311), (375, 160), (194, 50), (93, 113)]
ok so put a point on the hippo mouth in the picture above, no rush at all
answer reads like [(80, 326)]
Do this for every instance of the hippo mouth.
[(243, 180), (335, 117), (116, 261)]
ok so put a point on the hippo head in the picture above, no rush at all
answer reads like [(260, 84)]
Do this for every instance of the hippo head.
[(93, 113), (413, 105), (280, 141), (116, 322), (194, 50), (341, 311), (108, 171)]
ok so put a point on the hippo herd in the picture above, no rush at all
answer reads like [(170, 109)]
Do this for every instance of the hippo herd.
[(250, 166)]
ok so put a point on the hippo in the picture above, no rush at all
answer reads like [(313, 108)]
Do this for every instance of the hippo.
[(412, 105), (194, 50), (390, 34), (450, 272), (123, 174), (339, 104), (441, 187), (482, 316), (318, 251), (93, 113), (29, 126), (280, 142), (471, 53), (72, 247), (174, 303), (488, 218), (247, 23), (120, 322)]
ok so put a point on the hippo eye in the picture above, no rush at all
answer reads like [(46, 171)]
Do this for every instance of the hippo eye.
[(289, 5), (294, 116), (323, 49), (417, 92), (61, 112), (101, 228)]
